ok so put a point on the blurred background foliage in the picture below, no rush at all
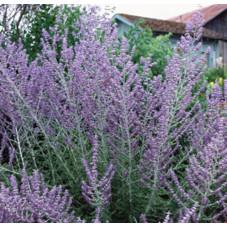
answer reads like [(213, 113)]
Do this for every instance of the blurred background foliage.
[(146, 43), (29, 22)]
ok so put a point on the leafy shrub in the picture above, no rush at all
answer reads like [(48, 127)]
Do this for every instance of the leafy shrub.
[(215, 73), (211, 77), (146, 44)]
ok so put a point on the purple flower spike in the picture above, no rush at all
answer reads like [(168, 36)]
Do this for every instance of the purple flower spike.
[(32, 202), (97, 192)]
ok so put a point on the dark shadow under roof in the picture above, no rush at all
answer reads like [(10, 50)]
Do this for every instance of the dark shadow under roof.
[(166, 26)]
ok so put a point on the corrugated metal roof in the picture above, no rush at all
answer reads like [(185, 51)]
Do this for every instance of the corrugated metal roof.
[(166, 26), (208, 12)]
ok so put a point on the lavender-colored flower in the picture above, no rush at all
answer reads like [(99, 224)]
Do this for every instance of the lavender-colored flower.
[(97, 192), (93, 86), (33, 202), (143, 218), (206, 176), (185, 216)]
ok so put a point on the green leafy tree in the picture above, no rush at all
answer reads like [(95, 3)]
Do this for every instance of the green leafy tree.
[(15, 14), (45, 17), (146, 44)]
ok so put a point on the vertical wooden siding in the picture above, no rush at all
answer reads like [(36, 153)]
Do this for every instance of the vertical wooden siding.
[(223, 51)]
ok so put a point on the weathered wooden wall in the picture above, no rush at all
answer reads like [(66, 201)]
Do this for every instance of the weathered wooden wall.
[(223, 50), (219, 25)]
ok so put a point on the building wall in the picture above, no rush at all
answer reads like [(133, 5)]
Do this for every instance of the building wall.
[(219, 24), (122, 27), (214, 51), (223, 51)]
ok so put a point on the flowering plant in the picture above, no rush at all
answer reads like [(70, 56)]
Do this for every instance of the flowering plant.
[(82, 110)]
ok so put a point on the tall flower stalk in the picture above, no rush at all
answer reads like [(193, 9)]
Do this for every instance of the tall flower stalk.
[(98, 192), (33, 202)]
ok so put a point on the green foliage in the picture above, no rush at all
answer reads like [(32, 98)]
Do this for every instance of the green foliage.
[(45, 18), (146, 44), (214, 74), (70, 16)]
